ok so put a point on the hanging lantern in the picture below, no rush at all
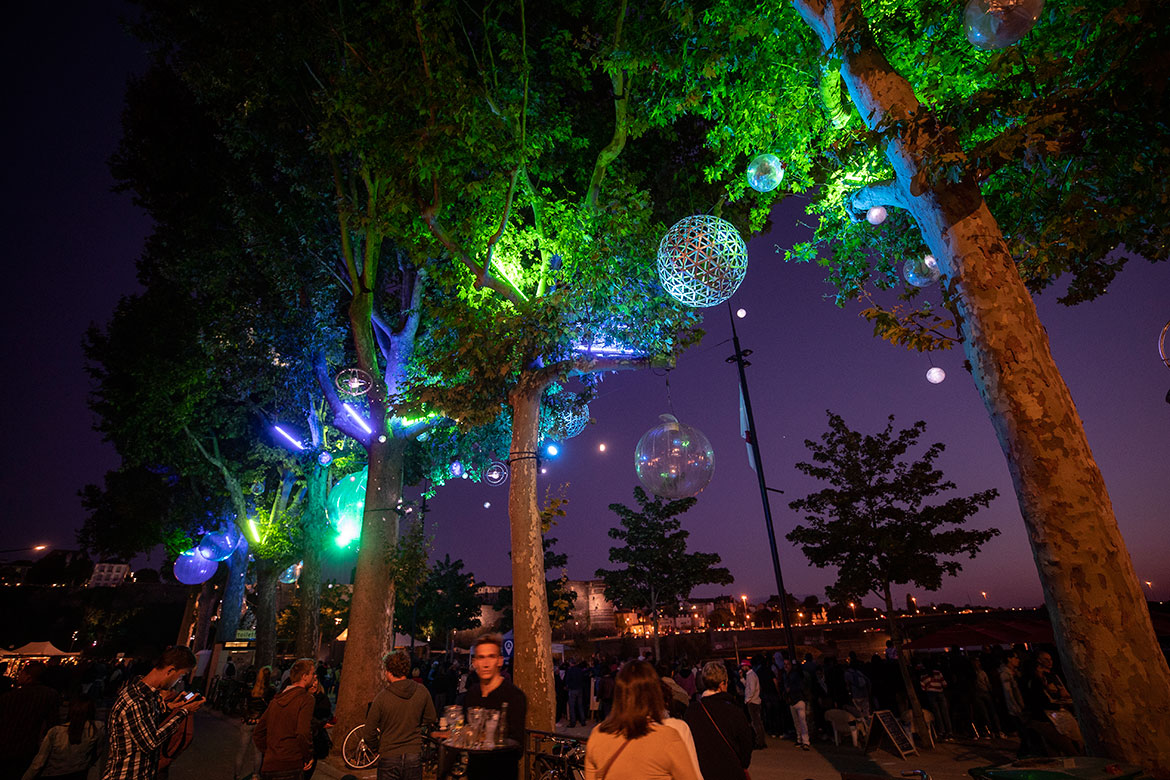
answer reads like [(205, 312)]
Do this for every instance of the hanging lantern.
[(921, 272), (345, 505), (997, 24), (674, 460), (191, 568), (218, 545), (765, 172), (934, 375), (702, 261), (292, 573)]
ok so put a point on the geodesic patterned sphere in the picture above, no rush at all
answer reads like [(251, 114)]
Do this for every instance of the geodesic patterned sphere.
[(673, 459), (702, 261), (765, 172), (568, 417), (997, 24), (191, 568), (921, 272)]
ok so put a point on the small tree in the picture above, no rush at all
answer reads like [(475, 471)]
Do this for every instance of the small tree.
[(874, 524), (659, 572), (449, 599)]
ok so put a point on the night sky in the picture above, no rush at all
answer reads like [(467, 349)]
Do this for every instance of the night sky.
[(72, 246)]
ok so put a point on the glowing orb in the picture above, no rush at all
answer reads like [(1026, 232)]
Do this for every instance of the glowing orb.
[(876, 215), (496, 474), (258, 487), (345, 505), (324, 458), (487, 504), (354, 381), (741, 313), (601, 447), (765, 172), (702, 260), (191, 568), (934, 375), (218, 545), (552, 450), (543, 470), (997, 24), (674, 460), (456, 468), (921, 272), (292, 573)]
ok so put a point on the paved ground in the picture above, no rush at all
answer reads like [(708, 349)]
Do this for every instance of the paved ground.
[(217, 740)]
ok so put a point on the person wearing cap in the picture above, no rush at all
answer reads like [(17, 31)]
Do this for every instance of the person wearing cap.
[(751, 697)]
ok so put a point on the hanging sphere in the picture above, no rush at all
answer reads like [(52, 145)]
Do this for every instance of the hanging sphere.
[(219, 545), (191, 568), (765, 172), (997, 24), (496, 474), (934, 375), (325, 457), (345, 504), (741, 313), (292, 573), (921, 272), (702, 261), (567, 416), (876, 215), (674, 460), (258, 487)]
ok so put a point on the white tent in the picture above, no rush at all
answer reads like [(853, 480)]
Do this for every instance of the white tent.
[(40, 650)]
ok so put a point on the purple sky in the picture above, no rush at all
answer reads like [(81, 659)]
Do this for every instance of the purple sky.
[(73, 244)]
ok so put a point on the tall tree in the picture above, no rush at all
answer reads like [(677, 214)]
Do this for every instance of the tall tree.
[(990, 161), (886, 519), (658, 573), (449, 600)]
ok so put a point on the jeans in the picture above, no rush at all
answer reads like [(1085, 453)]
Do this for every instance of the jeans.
[(942, 713), (799, 712), (576, 706), (247, 756), (755, 711), (407, 766)]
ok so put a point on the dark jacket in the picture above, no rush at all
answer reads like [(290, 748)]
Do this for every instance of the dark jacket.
[(284, 732), (717, 759), (395, 720)]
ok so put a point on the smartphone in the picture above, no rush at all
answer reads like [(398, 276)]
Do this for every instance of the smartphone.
[(189, 695)]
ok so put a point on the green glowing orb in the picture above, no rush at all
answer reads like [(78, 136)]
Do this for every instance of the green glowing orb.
[(345, 505)]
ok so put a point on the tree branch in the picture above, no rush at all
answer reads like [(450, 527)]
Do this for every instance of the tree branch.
[(341, 421), (620, 109), (883, 193)]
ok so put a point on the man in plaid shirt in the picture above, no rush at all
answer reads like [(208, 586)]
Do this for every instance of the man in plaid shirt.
[(141, 722)]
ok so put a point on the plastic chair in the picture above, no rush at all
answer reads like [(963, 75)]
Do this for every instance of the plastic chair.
[(842, 722)]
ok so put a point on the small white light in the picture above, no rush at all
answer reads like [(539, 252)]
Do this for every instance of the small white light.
[(543, 470), (934, 375), (487, 504), (601, 447), (382, 438), (741, 313), (876, 215)]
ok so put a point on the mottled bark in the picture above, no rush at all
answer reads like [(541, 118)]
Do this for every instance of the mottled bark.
[(232, 605), (371, 613), (204, 612), (532, 659), (313, 528), (264, 608), (1117, 674)]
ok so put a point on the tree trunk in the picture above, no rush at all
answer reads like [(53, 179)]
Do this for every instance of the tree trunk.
[(313, 527), (232, 604), (904, 668), (371, 613), (1117, 674), (657, 639), (265, 610), (204, 611), (533, 667)]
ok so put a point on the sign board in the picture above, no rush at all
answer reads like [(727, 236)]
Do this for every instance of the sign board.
[(245, 633), (237, 645), (889, 729), (509, 646)]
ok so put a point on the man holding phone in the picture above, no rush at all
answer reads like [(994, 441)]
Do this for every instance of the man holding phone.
[(141, 721)]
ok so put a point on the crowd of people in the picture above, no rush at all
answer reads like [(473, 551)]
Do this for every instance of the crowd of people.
[(650, 719)]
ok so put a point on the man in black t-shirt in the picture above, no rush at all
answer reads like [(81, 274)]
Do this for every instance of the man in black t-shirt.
[(493, 691)]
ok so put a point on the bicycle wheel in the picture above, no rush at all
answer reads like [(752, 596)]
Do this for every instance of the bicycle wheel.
[(355, 752), (547, 768)]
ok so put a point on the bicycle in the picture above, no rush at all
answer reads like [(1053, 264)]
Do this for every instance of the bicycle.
[(557, 757), (358, 754)]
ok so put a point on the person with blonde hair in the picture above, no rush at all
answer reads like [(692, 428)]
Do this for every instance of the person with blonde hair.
[(722, 734), (632, 743)]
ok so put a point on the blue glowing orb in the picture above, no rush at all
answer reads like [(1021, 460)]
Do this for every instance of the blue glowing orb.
[(997, 24), (674, 460), (191, 568), (325, 458), (292, 573), (765, 172), (702, 260), (921, 272), (218, 545), (346, 504)]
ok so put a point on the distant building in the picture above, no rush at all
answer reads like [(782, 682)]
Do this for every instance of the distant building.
[(108, 575), (592, 611)]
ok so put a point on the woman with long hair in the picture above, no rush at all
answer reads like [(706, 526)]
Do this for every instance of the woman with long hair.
[(67, 752), (632, 743)]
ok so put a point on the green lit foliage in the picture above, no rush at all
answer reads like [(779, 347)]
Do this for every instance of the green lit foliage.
[(1063, 132)]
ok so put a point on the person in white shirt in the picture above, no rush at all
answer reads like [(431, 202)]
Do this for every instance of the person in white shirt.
[(751, 697)]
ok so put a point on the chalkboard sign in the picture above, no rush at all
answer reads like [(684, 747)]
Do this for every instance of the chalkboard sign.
[(890, 729)]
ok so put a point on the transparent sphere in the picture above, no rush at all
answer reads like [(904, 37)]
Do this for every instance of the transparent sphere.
[(876, 215), (674, 460), (997, 24), (702, 260), (219, 545), (934, 375), (921, 272), (191, 568), (765, 172), (292, 573), (345, 505)]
